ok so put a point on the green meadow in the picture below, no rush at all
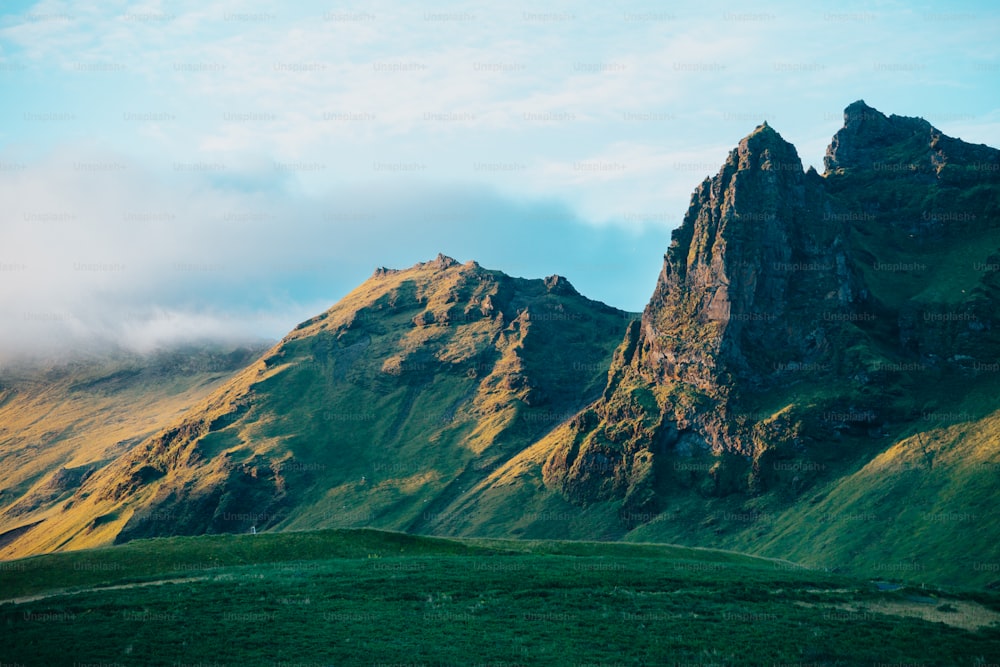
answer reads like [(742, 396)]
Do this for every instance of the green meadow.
[(366, 597)]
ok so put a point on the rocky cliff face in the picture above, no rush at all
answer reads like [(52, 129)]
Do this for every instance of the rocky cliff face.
[(781, 277), (748, 275), (925, 209)]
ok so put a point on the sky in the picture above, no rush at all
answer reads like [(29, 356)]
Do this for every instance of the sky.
[(182, 170)]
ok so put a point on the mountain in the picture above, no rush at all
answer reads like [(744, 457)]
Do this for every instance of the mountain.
[(814, 378), (62, 421), (818, 363), (379, 411), (736, 311)]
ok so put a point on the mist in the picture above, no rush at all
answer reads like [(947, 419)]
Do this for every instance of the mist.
[(99, 249)]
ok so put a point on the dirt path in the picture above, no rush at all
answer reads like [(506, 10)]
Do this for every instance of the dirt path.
[(966, 615), (119, 587)]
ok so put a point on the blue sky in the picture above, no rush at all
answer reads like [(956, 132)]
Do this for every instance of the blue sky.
[(180, 169)]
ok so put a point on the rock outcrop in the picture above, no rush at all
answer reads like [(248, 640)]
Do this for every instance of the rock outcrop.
[(872, 141), (777, 277)]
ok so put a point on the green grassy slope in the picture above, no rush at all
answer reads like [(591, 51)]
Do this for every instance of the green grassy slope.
[(924, 509), (369, 597), (382, 411), (62, 422), (915, 501)]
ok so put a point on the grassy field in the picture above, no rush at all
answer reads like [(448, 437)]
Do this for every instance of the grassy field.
[(364, 597), (919, 501)]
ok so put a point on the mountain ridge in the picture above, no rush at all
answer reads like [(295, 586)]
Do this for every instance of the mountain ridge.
[(807, 333), (451, 367), (761, 245)]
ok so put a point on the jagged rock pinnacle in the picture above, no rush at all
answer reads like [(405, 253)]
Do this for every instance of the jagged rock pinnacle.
[(867, 133), (763, 150), (559, 285), (442, 261), (382, 272)]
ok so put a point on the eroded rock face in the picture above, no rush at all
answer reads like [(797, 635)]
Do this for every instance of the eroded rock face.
[(741, 297), (749, 274), (867, 135), (767, 277)]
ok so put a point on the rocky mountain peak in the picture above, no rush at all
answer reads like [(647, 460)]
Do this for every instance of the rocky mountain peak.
[(442, 262), (726, 283), (764, 149), (859, 113), (778, 276), (556, 284), (871, 140), (382, 272)]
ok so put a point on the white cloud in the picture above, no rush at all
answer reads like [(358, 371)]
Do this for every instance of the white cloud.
[(98, 246), (293, 158)]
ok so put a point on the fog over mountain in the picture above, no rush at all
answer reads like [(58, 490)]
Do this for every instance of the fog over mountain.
[(145, 259), (224, 170)]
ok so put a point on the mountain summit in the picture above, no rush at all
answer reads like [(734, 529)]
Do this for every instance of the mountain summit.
[(872, 141)]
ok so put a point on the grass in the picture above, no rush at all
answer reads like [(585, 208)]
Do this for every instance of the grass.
[(83, 414), (369, 597), (459, 399), (916, 503)]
